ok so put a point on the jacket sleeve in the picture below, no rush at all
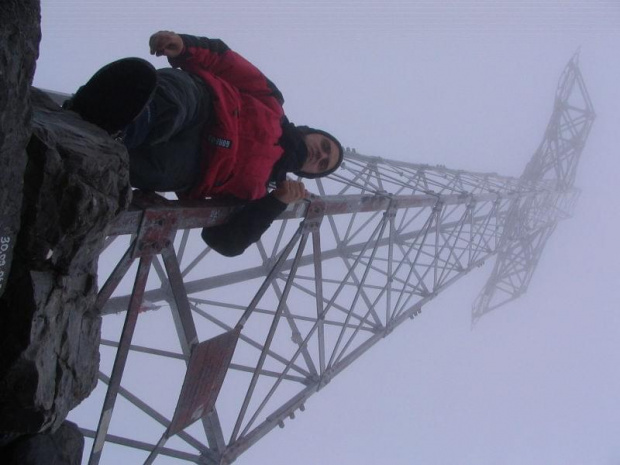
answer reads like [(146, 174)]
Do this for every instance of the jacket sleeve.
[(245, 226), (214, 56)]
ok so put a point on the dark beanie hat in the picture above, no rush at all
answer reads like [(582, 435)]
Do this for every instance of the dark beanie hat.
[(308, 130)]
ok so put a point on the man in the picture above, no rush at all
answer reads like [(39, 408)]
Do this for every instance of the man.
[(211, 126)]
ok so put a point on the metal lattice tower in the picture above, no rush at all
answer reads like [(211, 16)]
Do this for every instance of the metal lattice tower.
[(335, 275)]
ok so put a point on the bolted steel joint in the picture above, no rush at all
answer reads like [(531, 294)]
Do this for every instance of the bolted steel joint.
[(311, 226)]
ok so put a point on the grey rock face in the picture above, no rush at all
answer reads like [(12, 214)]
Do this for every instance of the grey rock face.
[(19, 48), (61, 182), (76, 181)]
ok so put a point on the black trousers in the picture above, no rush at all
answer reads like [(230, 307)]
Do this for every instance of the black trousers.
[(164, 141)]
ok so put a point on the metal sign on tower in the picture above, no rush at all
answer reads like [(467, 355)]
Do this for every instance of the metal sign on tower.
[(210, 354)]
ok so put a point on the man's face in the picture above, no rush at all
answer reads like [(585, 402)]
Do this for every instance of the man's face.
[(322, 154)]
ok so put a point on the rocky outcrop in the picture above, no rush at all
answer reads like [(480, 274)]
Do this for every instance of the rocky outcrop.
[(62, 447), (62, 181), (19, 48), (76, 181)]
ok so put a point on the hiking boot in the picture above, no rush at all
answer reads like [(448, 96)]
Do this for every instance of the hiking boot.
[(116, 94)]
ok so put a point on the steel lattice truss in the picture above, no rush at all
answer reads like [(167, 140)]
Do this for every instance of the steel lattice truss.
[(334, 275), (556, 160)]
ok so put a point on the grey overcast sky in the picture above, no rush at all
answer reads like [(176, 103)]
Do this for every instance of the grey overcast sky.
[(470, 85)]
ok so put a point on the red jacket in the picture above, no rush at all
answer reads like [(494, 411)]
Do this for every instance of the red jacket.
[(240, 143)]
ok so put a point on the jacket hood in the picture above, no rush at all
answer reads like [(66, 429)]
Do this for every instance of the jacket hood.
[(308, 130), (296, 152)]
